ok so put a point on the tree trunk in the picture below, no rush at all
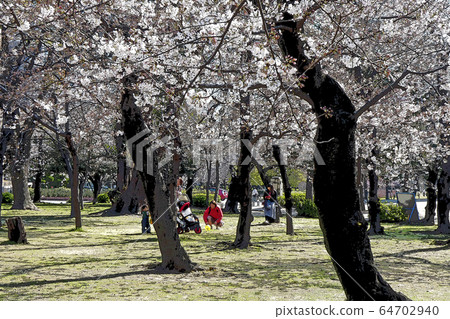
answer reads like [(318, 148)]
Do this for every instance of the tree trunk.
[(74, 203), (96, 180), (387, 189), (22, 198), (16, 230), (189, 186), (129, 202), (233, 196), (37, 187), (359, 183), (243, 190), (82, 183), (336, 196), (309, 185), (262, 173), (217, 186), (443, 204), (174, 257), (374, 205), (19, 167), (286, 189), (430, 209)]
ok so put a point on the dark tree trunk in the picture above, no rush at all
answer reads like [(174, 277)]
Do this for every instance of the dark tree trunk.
[(336, 196), (443, 204), (359, 183), (74, 203), (128, 202), (387, 189), (374, 205), (233, 196), (430, 209), (286, 189), (262, 173), (243, 190), (82, 183), (309, 185), (37, 187), (158, 191), (96, 181), (189, 186), (16, 230), (217, 186)]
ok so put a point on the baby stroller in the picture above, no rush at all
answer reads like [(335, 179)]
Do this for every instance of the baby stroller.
[(186, 220)]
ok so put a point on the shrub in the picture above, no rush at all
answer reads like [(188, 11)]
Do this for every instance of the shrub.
[(62, 192), (199, 199), (7, 198), (304, 207), (103, 198), (392, 213), (308, 209)]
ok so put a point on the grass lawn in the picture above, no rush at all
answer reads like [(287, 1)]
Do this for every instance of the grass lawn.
[(110, 260)]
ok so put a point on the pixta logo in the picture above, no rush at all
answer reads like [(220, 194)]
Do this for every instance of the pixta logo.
[(144, 145)]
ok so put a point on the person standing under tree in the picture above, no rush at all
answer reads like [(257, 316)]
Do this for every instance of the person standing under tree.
[(270, 198), (145, 219)]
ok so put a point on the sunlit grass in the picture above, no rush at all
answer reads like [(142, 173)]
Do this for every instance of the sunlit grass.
[(111, 260)]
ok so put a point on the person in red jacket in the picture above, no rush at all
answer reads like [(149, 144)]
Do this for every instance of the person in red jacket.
[(213, 215)]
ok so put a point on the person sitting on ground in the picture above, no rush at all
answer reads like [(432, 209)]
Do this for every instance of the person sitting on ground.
[(145, 219), (213, 215)]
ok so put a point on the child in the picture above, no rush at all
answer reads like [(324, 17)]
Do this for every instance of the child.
[(213, 215), (145, 219)]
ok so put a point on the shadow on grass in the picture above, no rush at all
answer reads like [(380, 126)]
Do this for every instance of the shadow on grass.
[(415, 251), (8, 242), (81, 279)]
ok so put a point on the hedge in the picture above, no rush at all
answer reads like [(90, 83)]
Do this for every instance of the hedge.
[(7, 198), (392, 213), (304, 207)]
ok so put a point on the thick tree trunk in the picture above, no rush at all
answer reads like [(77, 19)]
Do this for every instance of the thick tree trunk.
[(233, 196), (217, 184), (430, 209), (37, 187), (74, 203), (443, 205), (374, 205), (22, 198), (336, 196), (158, 193), (286, 189), (309, 185), (96, 181), (19, 167), (129, 202), (243, 190), (16, 230)]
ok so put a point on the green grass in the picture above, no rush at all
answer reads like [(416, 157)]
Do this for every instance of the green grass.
[(110, 260)]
